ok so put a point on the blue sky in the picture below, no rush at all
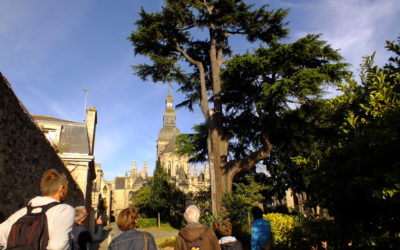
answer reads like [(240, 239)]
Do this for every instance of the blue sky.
[(51, 50)]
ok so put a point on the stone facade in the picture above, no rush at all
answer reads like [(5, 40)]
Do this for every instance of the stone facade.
[(74, 143), (178, 168), (124, 187), (24, 155), (101, 196)]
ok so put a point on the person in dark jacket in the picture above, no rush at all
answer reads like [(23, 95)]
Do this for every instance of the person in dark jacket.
[(81, 236), (227, 241), (131, 239), (195, 235)]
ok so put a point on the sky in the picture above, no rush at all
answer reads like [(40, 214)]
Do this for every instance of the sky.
[(51, 50)]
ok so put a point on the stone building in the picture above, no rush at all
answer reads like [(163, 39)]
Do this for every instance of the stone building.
[(102, 197), (124, 188), (74, 143), (177, 166)]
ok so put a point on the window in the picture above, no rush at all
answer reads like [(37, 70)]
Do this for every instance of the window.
[(51, 135)]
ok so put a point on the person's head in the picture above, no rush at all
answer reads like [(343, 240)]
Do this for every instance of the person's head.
[(192, 214), (127, 219), (225, 228), (257, 213), (80, 214), (54, 184)]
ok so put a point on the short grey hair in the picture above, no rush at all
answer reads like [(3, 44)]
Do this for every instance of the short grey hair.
[(192, 214), (78, 212)]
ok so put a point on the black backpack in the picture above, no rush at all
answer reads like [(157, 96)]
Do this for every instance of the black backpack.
[(30, 231), (195, 244)]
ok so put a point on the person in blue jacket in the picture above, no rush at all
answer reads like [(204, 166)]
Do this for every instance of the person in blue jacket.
[(261, 236), (131, 239)]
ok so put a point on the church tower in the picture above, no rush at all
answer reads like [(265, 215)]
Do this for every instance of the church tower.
[(167, 134)]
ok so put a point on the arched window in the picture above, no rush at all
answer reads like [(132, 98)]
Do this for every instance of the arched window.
[(169, 168)]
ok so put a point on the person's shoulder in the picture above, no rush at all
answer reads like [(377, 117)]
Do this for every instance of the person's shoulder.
[(15, 216), (64, 207)]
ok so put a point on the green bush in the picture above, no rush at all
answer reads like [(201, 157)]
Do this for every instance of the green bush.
[(147, 222), (281, 225)]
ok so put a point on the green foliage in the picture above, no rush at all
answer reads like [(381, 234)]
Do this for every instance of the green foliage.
[(194, 145), (281, 225), (159, 36), (354, 169), (142, 202), (162, 197), (208, 220), (147, 222), (244, 197), (309, 232), (202, 198), (272, 92)]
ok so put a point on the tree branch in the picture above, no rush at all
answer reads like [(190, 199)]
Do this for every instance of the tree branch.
[(203, 89), (233, 167)]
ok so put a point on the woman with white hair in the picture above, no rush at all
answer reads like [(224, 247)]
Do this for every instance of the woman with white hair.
[(195, 235)]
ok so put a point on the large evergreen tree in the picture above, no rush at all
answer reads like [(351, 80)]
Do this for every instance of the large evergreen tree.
[(188, 42), (196, 33)]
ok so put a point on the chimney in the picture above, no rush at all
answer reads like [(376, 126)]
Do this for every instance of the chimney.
[(91, 121)]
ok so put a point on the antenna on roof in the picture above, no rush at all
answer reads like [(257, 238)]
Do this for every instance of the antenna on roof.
[(85, 92)]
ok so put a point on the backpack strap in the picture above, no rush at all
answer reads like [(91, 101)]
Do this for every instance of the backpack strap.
[(145, 240), (44, 208)]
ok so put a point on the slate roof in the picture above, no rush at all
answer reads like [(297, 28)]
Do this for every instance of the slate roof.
[(75, 139), (52, 119), (139, 180), (119, 182), (171, 146), (181, 174), (166, 133)]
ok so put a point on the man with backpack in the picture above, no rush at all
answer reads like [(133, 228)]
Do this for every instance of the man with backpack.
[(195, 236), (44, 223)]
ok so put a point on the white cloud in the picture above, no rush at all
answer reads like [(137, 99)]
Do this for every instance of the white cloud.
[(356, 27)]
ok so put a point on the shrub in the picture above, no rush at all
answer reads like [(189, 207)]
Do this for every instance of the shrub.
[(312, 231), (281, 225), (208, 220), (147, 222)]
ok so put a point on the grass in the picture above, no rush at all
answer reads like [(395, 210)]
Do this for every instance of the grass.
[(163, 226), (166, 242)]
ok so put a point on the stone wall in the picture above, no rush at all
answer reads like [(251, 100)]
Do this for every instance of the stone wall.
[(25, 154)]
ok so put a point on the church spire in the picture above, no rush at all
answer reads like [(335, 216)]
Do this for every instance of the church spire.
[(169, 114), (134, 168)]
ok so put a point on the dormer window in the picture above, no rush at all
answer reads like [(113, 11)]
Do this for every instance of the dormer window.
[(51, 135)]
